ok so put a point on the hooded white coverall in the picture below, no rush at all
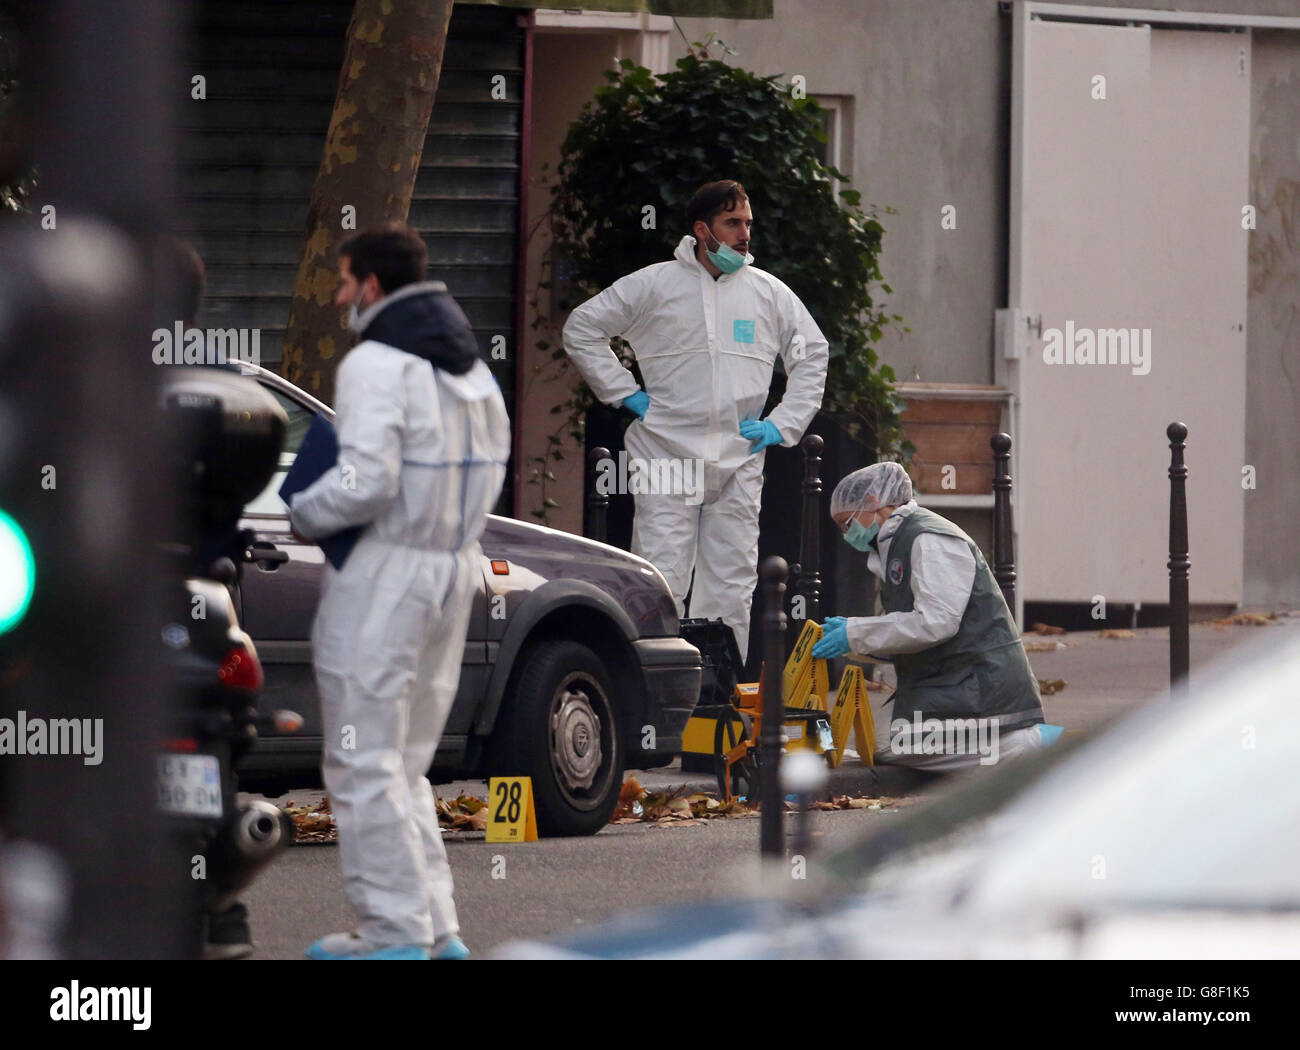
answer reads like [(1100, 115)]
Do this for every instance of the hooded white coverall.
[(706, 349), (943, 576), (428, 449)]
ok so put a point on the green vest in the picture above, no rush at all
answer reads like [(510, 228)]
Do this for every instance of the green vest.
[(981, 671)]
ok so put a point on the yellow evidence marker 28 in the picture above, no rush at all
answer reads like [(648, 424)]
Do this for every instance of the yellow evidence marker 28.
[(511, 816)]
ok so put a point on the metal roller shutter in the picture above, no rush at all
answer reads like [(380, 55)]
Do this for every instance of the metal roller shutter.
[(251, 150)]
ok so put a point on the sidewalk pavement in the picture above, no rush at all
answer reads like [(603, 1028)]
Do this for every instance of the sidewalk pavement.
[(1106, 678)]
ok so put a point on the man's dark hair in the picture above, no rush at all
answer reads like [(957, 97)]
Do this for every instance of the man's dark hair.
[(714, 198), (393, 252)]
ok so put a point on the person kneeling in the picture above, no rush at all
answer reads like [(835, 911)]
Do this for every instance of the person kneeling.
[(966, 694)]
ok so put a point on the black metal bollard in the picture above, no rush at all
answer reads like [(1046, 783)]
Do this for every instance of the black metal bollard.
[(773, 573), (1179, 562), (810, 549), (597, 502), (1004, 545)]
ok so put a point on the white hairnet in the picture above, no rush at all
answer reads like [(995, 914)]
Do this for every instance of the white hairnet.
[(873, 487)]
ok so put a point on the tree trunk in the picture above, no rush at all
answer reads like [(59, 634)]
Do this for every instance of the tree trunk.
[(367, 171)]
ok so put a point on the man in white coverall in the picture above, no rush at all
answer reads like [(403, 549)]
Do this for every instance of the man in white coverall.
[(966, 695), (423, 440), (706, 329)]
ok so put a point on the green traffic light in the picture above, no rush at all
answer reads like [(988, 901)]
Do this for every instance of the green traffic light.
[(17, 572)]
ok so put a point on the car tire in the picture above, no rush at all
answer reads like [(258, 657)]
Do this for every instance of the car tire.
[(560, 727)]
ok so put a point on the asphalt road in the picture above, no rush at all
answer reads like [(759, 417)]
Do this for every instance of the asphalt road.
[(554, 886), (549, 887)]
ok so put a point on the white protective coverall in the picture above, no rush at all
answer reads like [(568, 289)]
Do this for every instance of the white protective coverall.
[(429, 451), (706, 349), (943, 576)]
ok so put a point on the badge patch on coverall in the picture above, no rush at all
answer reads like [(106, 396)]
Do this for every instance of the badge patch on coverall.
[(742, 331), (895, 571)]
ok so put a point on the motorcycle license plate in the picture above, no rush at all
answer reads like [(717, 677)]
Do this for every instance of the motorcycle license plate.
[(189, 785)]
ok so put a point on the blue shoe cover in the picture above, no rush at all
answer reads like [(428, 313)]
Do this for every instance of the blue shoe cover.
[(455, 949), (393, 951)]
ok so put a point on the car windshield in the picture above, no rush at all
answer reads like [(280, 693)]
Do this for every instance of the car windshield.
[(268, 502)]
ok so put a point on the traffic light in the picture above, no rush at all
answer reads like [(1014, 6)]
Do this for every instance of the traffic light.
[(17, 573)]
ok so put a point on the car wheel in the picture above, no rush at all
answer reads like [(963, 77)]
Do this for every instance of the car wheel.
[(560, 728)]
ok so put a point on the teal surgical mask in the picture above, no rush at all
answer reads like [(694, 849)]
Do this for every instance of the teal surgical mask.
[(859, 537), (726, 258)]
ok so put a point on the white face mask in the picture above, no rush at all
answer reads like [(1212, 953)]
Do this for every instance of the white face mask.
[(354, 314)]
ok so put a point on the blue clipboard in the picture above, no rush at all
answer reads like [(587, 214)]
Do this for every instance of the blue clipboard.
[(318, 453)]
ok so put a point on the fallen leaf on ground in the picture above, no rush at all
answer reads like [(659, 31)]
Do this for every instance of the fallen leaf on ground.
[(1051, 686), (1045, 647), (313, 825), (1047, 628), (465, 813), (1245, 620), (629, 801), (1112, 632), (863, 802), (673, 807)]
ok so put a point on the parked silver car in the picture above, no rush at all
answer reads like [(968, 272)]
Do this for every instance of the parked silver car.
[(574, 668)]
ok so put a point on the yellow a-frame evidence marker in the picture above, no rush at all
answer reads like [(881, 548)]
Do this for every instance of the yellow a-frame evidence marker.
[(805, 682), (853, 707), (511, 815)]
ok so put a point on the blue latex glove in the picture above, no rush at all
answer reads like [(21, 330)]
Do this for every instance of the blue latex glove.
[(637, 403), (833, 621), (834, 642), (760, 434)]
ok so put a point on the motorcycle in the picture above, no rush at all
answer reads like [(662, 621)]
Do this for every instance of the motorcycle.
[(225, 436)]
